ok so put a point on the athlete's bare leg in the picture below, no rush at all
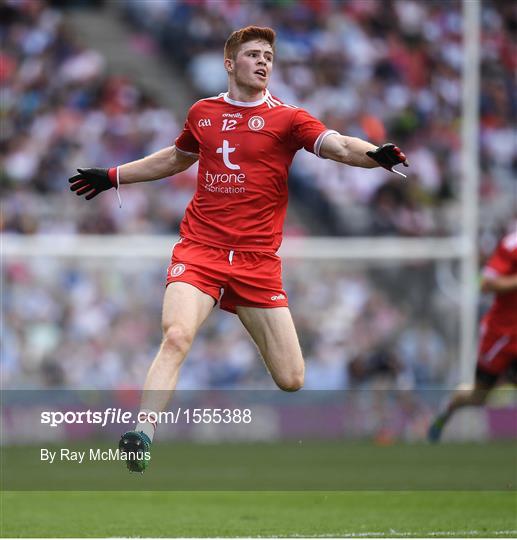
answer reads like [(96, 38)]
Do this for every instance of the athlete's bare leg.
[(185, 308), (475, 396), (275, 335)]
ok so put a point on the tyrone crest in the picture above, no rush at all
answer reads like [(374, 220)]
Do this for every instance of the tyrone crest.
[(177, 270), (256, 123)]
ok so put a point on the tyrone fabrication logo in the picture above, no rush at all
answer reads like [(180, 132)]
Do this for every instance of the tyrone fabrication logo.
[(226, 182), (226, 150)]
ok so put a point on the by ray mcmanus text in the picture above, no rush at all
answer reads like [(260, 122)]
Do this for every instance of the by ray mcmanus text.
[(92, 454)]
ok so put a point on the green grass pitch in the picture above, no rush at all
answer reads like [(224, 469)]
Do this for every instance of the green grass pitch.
[(446, 490), (232, 514)]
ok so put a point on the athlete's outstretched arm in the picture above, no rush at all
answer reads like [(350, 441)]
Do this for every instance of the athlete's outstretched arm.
[(499, 284), (358, 153), (165, 162)]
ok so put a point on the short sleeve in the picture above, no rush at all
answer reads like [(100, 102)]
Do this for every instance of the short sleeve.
[(308, 132), (186, 141)]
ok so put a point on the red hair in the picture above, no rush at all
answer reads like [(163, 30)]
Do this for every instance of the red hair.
[(250, 33)]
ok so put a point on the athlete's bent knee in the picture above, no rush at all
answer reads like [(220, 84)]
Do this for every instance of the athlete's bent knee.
[(291, 383), (478, 398), (177, 339)]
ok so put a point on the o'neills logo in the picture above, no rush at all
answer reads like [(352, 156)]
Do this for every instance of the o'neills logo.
[(177, 270), (256, 122), (225, 182)]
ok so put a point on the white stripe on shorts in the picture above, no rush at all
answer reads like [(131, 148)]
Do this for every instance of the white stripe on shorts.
[(495, 348)]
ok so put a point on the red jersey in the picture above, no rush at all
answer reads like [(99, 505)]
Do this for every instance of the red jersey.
[(502, 316), (245, 150)]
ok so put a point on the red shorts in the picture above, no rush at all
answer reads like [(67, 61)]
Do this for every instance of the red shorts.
[(497, 351), (236, 278)]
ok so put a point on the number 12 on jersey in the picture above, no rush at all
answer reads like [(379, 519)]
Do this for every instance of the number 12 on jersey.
[(229, 124)]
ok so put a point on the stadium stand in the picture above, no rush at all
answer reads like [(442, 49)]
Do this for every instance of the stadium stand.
[(368, 69), (341, 61), (86, 326)]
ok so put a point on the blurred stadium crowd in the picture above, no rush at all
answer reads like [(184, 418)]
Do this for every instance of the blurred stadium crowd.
[(63, 110), (374, 69), (377, 70), (97, 325)]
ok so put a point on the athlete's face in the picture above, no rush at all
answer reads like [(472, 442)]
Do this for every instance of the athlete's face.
[(253, 64)]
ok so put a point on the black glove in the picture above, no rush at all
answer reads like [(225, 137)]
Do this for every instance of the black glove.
[(90, 181), (388, 155)]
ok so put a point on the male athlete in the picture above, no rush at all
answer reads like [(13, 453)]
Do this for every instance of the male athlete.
[(245, 141), (498, 346)]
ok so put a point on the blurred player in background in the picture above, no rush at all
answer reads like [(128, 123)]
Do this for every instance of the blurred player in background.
[(498, 344), (245, 141)]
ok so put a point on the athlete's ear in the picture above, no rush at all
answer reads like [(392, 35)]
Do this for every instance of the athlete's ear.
[(228, 65)]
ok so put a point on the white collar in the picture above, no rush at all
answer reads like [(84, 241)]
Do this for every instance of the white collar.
[(246, 103)]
